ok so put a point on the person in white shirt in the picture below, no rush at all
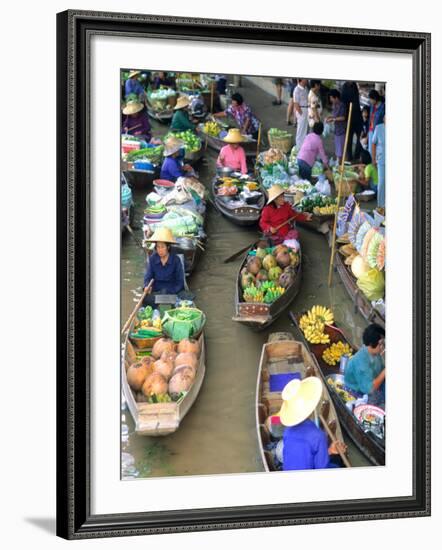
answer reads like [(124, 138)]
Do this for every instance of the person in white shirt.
[(300, 103), (314, 103)]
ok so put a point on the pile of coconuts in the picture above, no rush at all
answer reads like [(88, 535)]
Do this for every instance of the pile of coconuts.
[(169, 371), (279, 266)]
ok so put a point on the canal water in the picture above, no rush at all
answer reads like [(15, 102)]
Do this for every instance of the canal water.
[(218, 435)]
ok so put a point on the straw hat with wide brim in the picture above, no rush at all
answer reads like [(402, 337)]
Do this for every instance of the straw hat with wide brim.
[(134, 73), (172, 145), (359, 266), (274, 192), (182, 102), (234, 136), (300, 399), (162, 235), (132, 107)]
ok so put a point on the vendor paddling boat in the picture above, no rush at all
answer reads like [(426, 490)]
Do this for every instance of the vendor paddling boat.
[(159, 414), (283, 359), (261, 298), (238, 200), (366, 433)]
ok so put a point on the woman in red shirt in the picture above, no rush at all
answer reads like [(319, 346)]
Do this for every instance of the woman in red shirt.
[(277, 212)]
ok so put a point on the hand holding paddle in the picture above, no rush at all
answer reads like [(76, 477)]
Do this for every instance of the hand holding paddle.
[(140, 301), (336, 445)]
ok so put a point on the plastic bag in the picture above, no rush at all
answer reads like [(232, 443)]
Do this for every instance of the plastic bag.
[(323, 186), (327, 130), (372, 284)]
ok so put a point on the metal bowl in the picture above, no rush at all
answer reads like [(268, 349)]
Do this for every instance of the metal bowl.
[(225, 171)]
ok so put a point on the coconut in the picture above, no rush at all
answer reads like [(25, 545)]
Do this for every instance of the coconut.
[(147, 360), (154, 384), (261, 253), (247, 280), (279, 248), (186, 358), (137, 374), (283, 258), (275, 273), (189, 345), (268, 262), (294, 259), (164, 367), (162, 345), (179, 382), (262, 276), (187, 370), (169, 356), (286, 279), (254, 265)]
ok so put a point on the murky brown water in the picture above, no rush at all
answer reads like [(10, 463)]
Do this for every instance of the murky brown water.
[(218, 435)]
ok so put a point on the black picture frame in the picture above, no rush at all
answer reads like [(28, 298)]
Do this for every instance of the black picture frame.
[(74, 31)]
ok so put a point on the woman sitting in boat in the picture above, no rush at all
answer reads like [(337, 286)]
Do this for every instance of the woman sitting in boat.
[(365, 371), (136, 122), (241, 112), (162, 80), (181, 120), (164, 267), (233, 155), (173, 167), (305, 446), (276, 213), (311, 148), (133, 86)]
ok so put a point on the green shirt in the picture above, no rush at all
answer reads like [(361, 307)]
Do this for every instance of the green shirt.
[(181, 122), (371, 173)]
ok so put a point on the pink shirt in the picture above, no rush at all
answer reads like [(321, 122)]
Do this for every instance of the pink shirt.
[(233, 158), (311, 148)]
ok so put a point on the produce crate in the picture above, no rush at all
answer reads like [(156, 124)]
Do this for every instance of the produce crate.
[(284, 144)]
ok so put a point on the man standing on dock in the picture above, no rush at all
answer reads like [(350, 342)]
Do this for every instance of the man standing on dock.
[(300, 104)]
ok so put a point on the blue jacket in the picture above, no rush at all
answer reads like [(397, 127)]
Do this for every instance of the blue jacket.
[(305, 447), (171, 169), (168, 277)]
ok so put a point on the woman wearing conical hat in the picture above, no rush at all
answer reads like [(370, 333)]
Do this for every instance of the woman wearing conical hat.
[(305, 446), (233, 155), (181, 120), (163, 266), (172, 167), (276, 212), (136, 121), (133, 86)]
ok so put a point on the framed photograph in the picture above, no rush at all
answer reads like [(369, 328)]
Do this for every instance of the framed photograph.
[(224, 286)]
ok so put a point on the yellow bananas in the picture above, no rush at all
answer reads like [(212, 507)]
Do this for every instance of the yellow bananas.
[(313, 324), (333, 354)]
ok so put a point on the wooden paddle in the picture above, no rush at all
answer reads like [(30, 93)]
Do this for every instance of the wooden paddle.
[(133, 127), (230, 258), (333, 438), (137, 240), (140, 301)]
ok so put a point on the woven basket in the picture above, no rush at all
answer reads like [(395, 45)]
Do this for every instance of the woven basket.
[(348, 187), (145, 343), (283, 144)]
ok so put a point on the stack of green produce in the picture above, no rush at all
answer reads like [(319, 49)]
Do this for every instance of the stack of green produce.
[(192, 142), (145, 313), (183, 322), (151, 154), (307, 204)]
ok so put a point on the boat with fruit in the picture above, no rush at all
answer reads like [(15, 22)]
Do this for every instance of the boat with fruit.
[(365, 424), (213, 133), (268, 281), (240, 201), (282, 360), (159, 384)]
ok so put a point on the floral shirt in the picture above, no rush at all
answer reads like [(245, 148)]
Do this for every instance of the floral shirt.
[(241, 114)]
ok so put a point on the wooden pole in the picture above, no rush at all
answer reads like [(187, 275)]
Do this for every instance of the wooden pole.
[(258, 143), (212, 95), (333, 438), (140, 301), (341, 172)]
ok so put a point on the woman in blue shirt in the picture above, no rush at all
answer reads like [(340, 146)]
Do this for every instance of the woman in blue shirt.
[(305, 445), (365, 371), (164, 267), (172, 167)]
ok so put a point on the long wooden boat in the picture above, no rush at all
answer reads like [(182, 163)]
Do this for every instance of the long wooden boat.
[(370, 445), (257, 315), (242, 215), (283, 355), (361, 302), (158, 419), (140, 179), (217, 143)]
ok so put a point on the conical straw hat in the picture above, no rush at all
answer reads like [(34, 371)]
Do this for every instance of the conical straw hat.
[(182, 101), (300, 399), (134, 73), (132, 107), (172, 145), (162, 235), (274, 192), (234, 136)]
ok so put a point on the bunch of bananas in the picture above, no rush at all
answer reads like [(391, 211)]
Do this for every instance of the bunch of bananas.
[(321, 210), (212, 128), (159, 398), (333, 354), (272, 294), (149, 323), (253, 294), (313, 323), (252, 186)]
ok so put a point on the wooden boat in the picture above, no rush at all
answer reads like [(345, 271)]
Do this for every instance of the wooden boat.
[(283, 355), (140, 179), (217, 143), (370, 445), (257, 315), (361, 302), (241, 215), (155, 419)]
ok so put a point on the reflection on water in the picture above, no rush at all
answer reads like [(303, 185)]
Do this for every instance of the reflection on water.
[(218, 435)]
